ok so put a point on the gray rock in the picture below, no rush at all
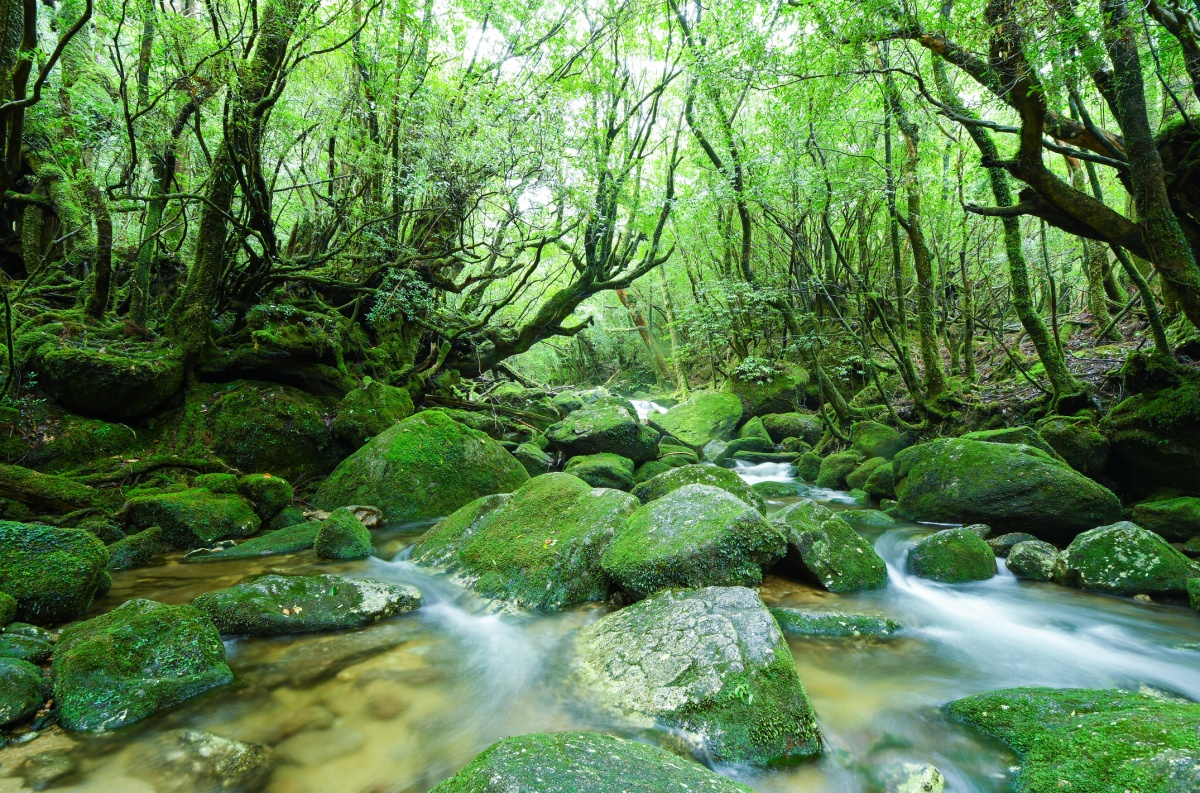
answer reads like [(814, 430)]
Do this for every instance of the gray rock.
[(1035, 560), (1004, 543), (22, 692), (1125, 559)]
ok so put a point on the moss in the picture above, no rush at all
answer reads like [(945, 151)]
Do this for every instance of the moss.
[(134, 661), (796, 622), (424, 467), (836, 467), (829, 550), (105, 530), (582, 762), (342, 536), (1174, 519), (103, 384), (8, 609), (754, 429), (533, 459), (22, 693), (52, 573), (267, 493), (777, 392), (48, 490), (26, 648), (672, 480), (288, 516), (881, 483), (779, 489), (695, 535), (1091, 741), (1034, 559), (607, 425), (867, 517), (1155, 440), (702, 417), (753, 443), (537, 548), (676, 456), (872, 439), (1078, 441), (1125, 559), (602, 470), (952, 556), (858, 478), (1021, 434), (808, 466), (647, 471), (1002, 545), (193, 518), (369, 410), (807, 426), (292, 539), (217, 483), (43, 436), (135, 551), (1193, 592)]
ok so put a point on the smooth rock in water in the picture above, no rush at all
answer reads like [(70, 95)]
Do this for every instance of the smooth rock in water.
[(867, 517), (1125, 559), (1002, 545), (836, 467), (697, 535), (268, 494), (537, 548), (1078, 441), (423, 467), (582, 762), (134, 661), (607, 425), (1154, 440), (808, 466), (275, 604), (342, 536), (1010, 487), (809, 427), (913, 778), (53, 574), (672, 480), (1174, 519), (25, 648), (779, 489), (982, 529), (194, 518), (602, 470), (702, 417), (798, 622), (1091, 740), (136, 550), (292, 539), (535, 460), (952, 556), (754, 429), (51, 768), (1035, 560), (22, 692), (200, 762), (829, 550), (872, 439), (858, 478), (708, 663)]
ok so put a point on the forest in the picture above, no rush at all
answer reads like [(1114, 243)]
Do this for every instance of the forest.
[(600, 395)]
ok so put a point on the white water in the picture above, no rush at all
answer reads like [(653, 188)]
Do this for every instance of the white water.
[(764, 472), (645, 407)]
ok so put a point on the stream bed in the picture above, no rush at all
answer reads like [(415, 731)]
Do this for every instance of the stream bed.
[(399, 706)]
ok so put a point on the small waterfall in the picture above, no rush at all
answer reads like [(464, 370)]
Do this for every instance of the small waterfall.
[(645, 407)]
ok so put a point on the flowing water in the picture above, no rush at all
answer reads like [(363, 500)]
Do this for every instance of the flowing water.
[(646, 408), (399, 706)]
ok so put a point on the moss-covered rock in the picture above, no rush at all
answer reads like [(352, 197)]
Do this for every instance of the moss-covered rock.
[(1175, 519), (566, 402), (807, 426), (8, 609), (191, 760), (368, 410), (775, 389), (836, 467), (535, 461), (1125, 559), (537, 548), (217, 483), (48, 490), (881, 483), (1154, 441), (825, 547), (858, 478), (710, 664), (1008, 486), (48, 438), (53, 574), (952, 556), (754, 429), (1077, 440), (795, 445), (1003, 545), (1193, 592), (193, 518), (1091, 741), (288, 516), (779, 489), (292, 539), (602, 470), (872, 439), (676, 456), (136, 550), (423, 467), (103, 384), (739, 445), (25, 648), (268, 494), (712, 476), (606, 425), (702, 417), (1035, 560), (647, 471), (1022, 434), (808, 466), (798, 622), (582, 762), (275, 604), (136, 660), (23, 690), (342, 536), (867, 517)]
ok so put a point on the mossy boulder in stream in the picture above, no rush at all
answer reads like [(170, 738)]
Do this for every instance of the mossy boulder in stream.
[(193, 518), (538, 548), (1125, 559), (342, 536), (828, 549), (423, 467), (276, 604), (290, 539), (711, 666), (670, 481), (267, 493), (602, 470), (1174, 519), (770, 388), (1035, 560), (1154, 441), (858, 478), (952, 556), (809, 427), (799, 622), (606, 425), (582, 762), (872, 439), (836, 467), (134, 661), (23, 690), (136, 550), (1010, 487), (52, 573), (535, 460), (1091, 741), (368, 410), (694, 536), (702, 417), (881, 483)]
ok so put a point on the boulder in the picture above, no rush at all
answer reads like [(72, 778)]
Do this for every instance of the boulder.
[(1154, 441), (291, 539), (607, 425), (134, 661), (268, 494), (809, 427), (47, 490), (1077, 440), (825, 547), (798, 622), (217, 483), (710, 665), (766, 388), (1174, 519), (1002, 545), (952, 556), (277, 604), (1125, 559), (779, 489), (1021, 434), (288, 516), (191, 761), (867, 517), (1091, 740), (872, 439), (796, 446), (808, 466), (836, 467), (739, 446), (537, 548), (1035, 560), (672, 480), (25, 648), (758, 458), (858, 478), (53, 574), (647, 471), (602, 470), (23, 692), (582, 762), (8, 609), (534, 460), (342, 536), (676, 456), (368, 410), (696, 535), (423, 467), (1011, 487), (713, 450), (912, 778), (109, 385), (754, 429), (193, 518), (566, 402), (702, 417)]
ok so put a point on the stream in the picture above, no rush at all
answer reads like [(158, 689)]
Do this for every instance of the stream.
[(399, 706)]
